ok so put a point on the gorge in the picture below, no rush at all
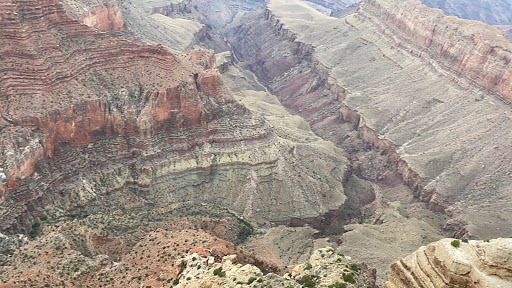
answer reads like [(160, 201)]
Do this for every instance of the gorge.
[(375, 127)]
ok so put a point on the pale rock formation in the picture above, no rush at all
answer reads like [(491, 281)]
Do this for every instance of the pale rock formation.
[(325, 267), (476, 264)]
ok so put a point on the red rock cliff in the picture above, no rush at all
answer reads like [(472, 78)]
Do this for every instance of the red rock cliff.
[(480, 54), (64, 85)]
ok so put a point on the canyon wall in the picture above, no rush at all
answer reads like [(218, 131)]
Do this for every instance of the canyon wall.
[(417, 106), (91, 123)]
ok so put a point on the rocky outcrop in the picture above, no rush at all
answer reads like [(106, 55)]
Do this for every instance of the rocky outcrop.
[(325, 268), (491, 12), (452, 263), (9, 245)]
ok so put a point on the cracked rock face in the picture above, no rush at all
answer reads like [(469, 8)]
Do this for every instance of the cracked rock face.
[(442, 264)]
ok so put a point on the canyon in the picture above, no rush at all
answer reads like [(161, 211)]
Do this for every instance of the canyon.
[(428, 142), (376, 128)]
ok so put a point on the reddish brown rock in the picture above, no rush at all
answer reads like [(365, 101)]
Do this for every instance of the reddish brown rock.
[(479, 54)]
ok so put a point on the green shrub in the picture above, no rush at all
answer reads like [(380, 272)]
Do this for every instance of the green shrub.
[(259, 280), (217, 271), (308, 266), (349, 278), (455, 243), (354, 267), (251, 279), (465, 240), (307, 281)]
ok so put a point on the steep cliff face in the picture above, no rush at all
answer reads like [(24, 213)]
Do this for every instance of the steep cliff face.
[(415, 105), (94, 123), (492, 12), (455, 264), (182, 24)]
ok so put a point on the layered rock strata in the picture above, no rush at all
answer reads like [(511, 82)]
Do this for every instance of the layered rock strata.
[(455, 264), (94, 123), (413, 100), (469, 52)]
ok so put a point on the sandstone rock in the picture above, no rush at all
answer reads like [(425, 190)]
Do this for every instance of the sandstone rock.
[(103, 15), (440, 264)]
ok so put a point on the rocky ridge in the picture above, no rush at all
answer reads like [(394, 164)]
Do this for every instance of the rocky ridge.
[(481, 56), (452, 263), (325, 268), (58, 260)]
